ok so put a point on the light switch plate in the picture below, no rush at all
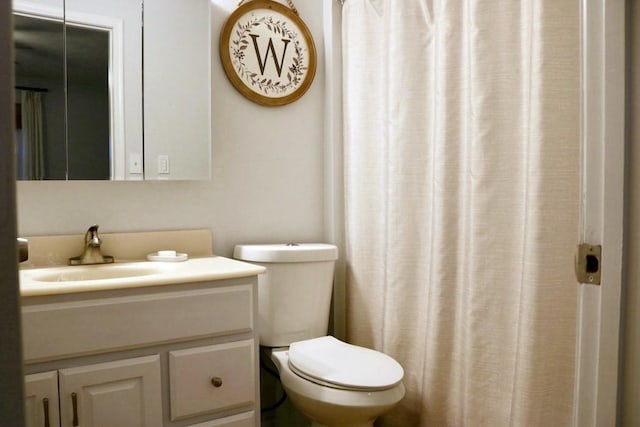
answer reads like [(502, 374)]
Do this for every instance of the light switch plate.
[(163, 164), (135, 163)]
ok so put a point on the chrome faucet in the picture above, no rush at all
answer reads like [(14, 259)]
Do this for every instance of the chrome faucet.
[(91, 253)]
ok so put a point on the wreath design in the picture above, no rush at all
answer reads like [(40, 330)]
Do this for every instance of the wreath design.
[(295, 71)]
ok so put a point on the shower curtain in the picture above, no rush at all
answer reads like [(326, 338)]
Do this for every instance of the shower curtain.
[(462, 199), (32, 125)]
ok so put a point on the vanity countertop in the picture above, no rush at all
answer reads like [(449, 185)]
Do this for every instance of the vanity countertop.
[(120, 275)]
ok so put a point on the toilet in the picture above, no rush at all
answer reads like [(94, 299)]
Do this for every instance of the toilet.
[(329, 381)]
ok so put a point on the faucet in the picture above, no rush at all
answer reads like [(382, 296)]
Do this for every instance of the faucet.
[(91, 253)]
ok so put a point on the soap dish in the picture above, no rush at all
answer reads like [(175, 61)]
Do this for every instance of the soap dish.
[(170, 256)]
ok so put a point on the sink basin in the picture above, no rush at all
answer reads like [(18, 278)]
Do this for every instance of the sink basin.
[(56, 280), (100, 272)]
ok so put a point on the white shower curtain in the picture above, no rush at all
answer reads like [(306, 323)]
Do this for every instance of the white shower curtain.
[(32, 124), (462, 194)]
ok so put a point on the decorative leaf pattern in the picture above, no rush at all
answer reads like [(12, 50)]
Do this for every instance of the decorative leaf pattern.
[(268, 86)]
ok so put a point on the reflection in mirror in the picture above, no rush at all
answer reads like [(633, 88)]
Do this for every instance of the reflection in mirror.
[(39, 77), (104, 56), (68, 91), (88, 130), (39, 72), (177, 89)]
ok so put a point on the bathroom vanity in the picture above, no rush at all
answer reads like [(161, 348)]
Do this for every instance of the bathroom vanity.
[(144, 344)]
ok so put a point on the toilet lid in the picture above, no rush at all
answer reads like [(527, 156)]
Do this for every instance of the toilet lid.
[(331, 362)]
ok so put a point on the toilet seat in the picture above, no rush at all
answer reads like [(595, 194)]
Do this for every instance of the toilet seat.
[(333, 363)]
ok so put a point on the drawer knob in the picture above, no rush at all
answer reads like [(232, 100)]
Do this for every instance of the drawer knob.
[(216, 382)]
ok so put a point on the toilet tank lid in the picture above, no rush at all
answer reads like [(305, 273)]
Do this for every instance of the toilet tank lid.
[(286, 252)]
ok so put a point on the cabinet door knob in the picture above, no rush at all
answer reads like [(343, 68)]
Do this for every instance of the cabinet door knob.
[(45, 407), (216, 382), (74, 402)]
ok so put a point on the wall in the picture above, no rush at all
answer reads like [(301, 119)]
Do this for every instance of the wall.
[(267, 172)]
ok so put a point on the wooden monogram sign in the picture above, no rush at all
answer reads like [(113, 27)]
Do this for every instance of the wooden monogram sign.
[(268, 53)]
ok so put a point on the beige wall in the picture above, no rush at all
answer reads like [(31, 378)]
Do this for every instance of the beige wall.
[(267, 173), (631, 369)]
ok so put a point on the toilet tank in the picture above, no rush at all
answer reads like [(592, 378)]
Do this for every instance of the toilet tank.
[(294, 294)]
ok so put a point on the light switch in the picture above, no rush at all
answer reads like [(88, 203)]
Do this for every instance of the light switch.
[(135, 163), (163, 164)]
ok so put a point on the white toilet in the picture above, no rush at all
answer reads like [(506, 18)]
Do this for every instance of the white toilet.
[(331, 382)]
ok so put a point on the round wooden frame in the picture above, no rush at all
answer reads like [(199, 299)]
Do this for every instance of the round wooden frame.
[(303, 75)]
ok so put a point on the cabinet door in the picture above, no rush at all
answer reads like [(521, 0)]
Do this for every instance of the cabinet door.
[(124, 393), (41, 400)]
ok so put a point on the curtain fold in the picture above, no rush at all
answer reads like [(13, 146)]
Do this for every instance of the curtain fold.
[(462, 194), (32, 124)]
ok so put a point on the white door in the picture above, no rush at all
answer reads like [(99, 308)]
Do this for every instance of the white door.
[(603, 138), (124, 393), (41, 400)]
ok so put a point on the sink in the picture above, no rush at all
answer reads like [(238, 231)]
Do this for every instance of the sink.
[(57, 280), (99, 272)]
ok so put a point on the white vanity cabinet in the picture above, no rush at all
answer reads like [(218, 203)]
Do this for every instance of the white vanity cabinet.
[(170, 355)]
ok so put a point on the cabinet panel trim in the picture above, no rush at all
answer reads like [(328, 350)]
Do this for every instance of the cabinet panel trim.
[(65, 329)]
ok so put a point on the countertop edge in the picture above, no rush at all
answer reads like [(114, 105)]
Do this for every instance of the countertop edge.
[(222, 268)]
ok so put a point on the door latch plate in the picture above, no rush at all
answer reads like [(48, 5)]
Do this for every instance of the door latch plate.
[(588, 263)]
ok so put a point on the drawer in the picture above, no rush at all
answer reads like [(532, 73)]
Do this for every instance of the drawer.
[(66, 329), (246, 419), (212, 378)]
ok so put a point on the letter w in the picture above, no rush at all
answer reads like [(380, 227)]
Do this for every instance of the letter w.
[(270, 48)]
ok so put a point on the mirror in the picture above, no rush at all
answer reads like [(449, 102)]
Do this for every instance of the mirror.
[(177, 89), (80, 88), (39, 69)]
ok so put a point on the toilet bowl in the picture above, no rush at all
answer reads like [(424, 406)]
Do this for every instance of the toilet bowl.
[(338, 384), (331, 382)]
